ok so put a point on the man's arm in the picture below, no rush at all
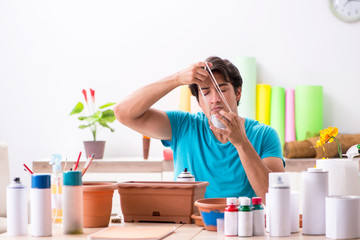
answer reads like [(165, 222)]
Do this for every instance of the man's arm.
[(135, 110), (257, 169)]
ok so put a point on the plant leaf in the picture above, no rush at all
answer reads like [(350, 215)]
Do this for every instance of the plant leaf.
[(104, 124), (77, 109), (107, 105), (108, 115), (94, 118), (81, 118)]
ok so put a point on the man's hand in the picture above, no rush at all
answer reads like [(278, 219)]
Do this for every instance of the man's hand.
[(235, 127), (195, 74)]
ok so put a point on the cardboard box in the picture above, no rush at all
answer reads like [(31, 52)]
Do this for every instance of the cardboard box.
[(159, 201)]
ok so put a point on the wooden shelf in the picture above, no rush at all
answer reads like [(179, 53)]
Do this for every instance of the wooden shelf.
[(112, 165), (153, 165), (299, 164)]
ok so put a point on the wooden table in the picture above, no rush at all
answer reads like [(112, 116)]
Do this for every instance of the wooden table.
[(153, 165), (182, 232)]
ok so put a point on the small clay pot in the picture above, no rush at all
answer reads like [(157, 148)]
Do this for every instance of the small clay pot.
[(97, 203), (198, 220), (210, 210), (96, 147)]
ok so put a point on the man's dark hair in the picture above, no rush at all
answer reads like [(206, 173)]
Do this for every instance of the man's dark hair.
[(227, 69)]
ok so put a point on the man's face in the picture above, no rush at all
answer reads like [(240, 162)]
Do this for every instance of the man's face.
[(213, 98)]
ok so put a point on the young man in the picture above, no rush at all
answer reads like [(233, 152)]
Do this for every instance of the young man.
[(236, 160)]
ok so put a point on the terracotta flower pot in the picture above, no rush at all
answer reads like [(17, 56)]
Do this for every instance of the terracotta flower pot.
[(97, 203), (146, 147), (96, 147)]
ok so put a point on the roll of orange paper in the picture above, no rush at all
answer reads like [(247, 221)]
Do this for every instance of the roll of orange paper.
[(263, 97), (185, 99)]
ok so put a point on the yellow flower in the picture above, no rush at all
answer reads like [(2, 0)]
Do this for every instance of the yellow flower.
[(327, 136)]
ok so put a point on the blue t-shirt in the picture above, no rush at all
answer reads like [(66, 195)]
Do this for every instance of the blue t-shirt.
[(196, 148)]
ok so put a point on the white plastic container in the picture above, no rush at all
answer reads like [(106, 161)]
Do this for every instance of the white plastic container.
[(72, 203), (343, 217), (40, 204), (231, 217), (279, 206), (16, 208), (315, 190), (258, 217), (185, 176), (245, 219)]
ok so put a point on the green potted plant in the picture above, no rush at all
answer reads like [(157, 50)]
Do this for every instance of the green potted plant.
[(93, 119)]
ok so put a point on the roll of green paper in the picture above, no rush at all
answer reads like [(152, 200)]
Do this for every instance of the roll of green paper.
[(247, 69), (308, 111), (263, 97), (277, 112)]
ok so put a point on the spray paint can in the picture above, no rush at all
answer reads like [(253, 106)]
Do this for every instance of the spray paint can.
[(279, 205), (16, 208), (185, 176)]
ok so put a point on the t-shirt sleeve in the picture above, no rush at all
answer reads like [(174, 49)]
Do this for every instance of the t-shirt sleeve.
[(271, 145), (178, 124)]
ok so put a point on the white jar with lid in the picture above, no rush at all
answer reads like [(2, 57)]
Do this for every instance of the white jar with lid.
[(185, 176), (40, 205)]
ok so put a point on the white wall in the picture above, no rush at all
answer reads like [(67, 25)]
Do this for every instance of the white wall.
[(51, 50)]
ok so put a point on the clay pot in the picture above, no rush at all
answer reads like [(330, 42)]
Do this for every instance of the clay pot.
[(97, 203), (160, 201), (146, 147), (210, 210), (198, 220), (96, 147)]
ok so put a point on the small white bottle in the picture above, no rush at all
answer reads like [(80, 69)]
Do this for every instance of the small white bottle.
[(40, 204), (258, 217), (72, 203), (245, 219), (279, 207), (16, 208), (185, 176), (231, 217)]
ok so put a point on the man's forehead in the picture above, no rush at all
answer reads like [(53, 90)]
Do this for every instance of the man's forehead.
[(208, 83)]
